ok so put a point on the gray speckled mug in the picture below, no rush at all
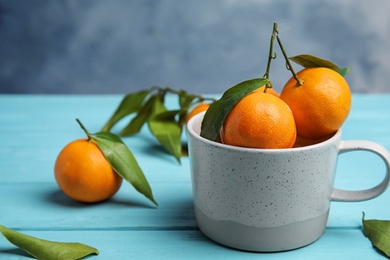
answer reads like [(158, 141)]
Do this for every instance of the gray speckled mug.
[(269, 200)]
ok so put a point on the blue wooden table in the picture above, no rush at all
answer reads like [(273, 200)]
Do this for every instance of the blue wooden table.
[(34, 128)]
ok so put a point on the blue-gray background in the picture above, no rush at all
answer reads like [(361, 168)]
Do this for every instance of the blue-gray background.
[(119, 46)]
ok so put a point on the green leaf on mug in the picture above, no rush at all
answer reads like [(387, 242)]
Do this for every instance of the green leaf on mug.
[(310, 61), (378, 232), (45, 249), (218, 111)]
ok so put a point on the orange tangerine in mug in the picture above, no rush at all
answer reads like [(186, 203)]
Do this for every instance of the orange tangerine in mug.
[(259, 120)]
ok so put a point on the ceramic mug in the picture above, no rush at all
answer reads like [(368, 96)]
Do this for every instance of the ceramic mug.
[(269, 200)]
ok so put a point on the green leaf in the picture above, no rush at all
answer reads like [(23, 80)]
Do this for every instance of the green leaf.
[(131, 103), (218, 110), (142, 116), (123, 162), (168, 131), (185, 99), (164, 127), (310, 61), (378, 232), (44, 249), (158, 105)]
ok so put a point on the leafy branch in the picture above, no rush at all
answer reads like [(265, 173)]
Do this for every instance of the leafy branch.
[(149, 107), (306, 60)]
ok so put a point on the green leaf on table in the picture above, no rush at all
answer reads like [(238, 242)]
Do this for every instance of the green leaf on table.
[(218, 110), (123, 162), (310, 61), (378, 232), (142, 116), (45, 249), (131, 103)]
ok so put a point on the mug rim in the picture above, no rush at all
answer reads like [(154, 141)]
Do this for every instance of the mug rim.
[(193, 133)]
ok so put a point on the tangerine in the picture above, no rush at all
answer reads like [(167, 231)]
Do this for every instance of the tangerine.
[(196, 110), (259, 120), (84, 174), (321, 104)]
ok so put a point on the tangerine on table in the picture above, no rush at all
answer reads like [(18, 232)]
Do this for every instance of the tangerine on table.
[(259, 120), (196, 110), (84, 174), (321, 104)]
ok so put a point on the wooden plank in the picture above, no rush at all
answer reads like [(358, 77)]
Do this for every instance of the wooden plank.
[(192, 244), (38, 205), (46, 206)]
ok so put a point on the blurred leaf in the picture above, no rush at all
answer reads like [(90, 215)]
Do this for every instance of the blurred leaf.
[(378, 232), (131, 103), (165, 128), (149, 107), (142, 116), (45, 249), (217, 112), (123, 162), (168, 131), (309, 61), (185, 99)]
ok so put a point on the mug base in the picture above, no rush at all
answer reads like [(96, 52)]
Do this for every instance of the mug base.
[(273, 239)]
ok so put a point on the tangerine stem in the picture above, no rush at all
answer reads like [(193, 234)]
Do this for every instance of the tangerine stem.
[(85, 129), (288, 64), (271, 54)]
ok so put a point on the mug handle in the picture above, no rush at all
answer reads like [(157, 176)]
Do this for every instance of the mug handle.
[(362, 195)]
